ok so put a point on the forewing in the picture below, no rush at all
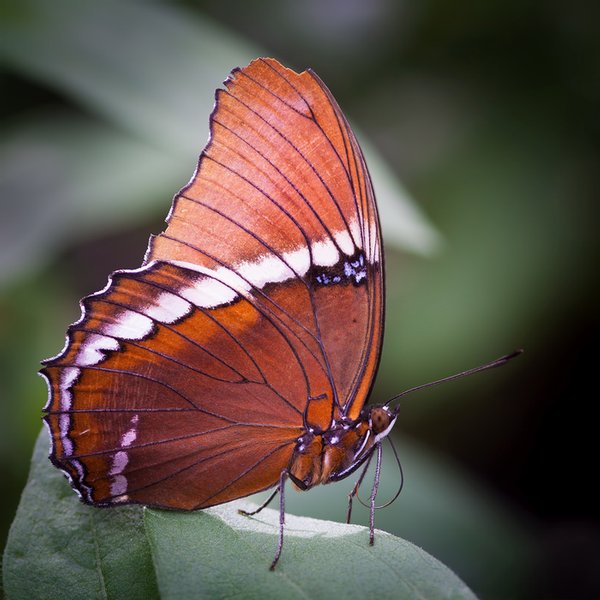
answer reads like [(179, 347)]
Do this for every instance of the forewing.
[(282, 196)]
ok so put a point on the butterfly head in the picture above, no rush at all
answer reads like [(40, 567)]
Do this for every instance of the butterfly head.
[(381, 419)]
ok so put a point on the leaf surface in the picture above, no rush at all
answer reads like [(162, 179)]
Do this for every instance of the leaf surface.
[(60, 547), (220, 553)]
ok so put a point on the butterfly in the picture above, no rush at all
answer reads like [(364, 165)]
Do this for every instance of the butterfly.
[(240, 355)]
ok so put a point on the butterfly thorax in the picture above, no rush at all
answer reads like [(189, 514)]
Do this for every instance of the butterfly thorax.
[(336, 453)]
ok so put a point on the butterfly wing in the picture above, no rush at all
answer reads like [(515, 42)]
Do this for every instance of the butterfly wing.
[(257, 312), (282, 192), (161, 398)]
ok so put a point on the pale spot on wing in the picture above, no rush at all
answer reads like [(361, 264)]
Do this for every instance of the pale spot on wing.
[(64, 424), (356, 232), (270, 269), (118, 485), (232, 279), (325, 254), (68, 377), (168, 308), (92, 349), (299, 260), (119, 462), (373, 251), (344, 241), (131, 434), (208, 293), (128, 325), (121, 459)]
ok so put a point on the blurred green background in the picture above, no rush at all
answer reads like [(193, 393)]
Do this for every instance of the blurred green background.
[(489, 114)]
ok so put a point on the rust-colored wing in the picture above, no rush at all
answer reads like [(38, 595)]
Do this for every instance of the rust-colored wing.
[(282, 194), (257, 313)]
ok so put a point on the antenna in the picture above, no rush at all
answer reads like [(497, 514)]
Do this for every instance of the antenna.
[(498, 362)]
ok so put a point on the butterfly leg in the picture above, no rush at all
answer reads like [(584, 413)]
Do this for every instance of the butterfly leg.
[(374, 495), (354, 491), (282, 479), (263, 505)]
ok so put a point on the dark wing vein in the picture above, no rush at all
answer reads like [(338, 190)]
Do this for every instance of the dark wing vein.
[(173, 474), (297, 150), (256, 168), (333, 104), (174, 439), (218, 323), (243, 379), (245, 472), (146, 378), (267, 313)]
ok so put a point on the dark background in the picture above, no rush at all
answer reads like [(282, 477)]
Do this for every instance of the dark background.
[(489, 114)]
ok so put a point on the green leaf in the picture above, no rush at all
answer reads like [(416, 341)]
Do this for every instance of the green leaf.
[(60, 548), (220, 553)]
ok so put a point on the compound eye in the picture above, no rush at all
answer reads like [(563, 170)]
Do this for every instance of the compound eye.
[(380, 420)]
